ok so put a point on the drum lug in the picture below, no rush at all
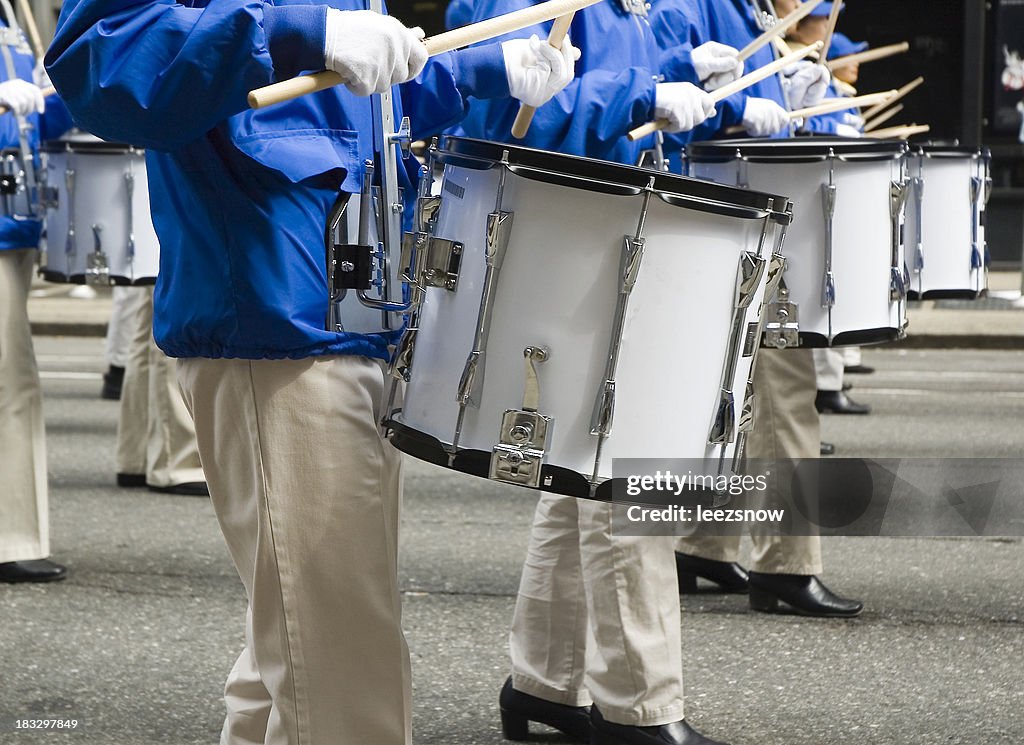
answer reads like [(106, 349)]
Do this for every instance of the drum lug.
[(898, 193), (97, 270), (828, 288), (519, 454), (69, 183), (400, 367), (443, 260), (782, 325)]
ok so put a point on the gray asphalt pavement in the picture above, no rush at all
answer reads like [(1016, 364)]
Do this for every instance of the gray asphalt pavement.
[(137, 642)]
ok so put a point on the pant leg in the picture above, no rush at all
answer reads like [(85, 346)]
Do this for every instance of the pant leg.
[(786, 425), (24, 517), (634, 666), (307, 494), (121, 326), (851, 355), (828, 369), (133, 415), (172, 455), (246, 698), (548, 640)]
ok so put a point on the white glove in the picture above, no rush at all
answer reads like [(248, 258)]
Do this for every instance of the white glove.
[(536, 71), (40, 77), (21, 97), (853, 120), (845, 130), (806, 83), (683, 104), (763, 117), (716, 64), (371, 51)]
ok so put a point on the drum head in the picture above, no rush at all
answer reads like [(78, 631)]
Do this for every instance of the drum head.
[(610, 178), (794, 150), (85, 143)]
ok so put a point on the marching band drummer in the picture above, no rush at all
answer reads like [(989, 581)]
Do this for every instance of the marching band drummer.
[(597, 620), (784, 568), (24, 511), (286, 411)]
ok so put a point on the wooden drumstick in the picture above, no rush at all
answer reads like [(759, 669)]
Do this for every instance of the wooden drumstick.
[(33, 30), (869, 55), (841, 104), (900, 93), (882, 118), (735, 86), (833, 18), (446, 42), (525, 116), (801, 12), (899, 133), (47, 91)]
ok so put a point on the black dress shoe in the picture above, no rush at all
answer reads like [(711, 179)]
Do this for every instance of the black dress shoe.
[(675, 733), (131, 480), (728, 575), (859, 369), (188, 489), (837, 402), (518, 709), (113, 380), (827, 448), (35, 570), (803, 593)]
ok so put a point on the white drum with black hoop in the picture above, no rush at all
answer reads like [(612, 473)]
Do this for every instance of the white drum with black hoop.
[(946, 251), (98, 224), (845, 269), (574, 311)]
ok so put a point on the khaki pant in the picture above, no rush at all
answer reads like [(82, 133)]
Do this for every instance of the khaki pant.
[(24, 526), (786, 425), (155, 434), (597, 617), (307, 493), (828, 369)]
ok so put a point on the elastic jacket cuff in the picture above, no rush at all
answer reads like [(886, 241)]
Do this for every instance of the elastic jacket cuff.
[(480, 71), (296, 37)]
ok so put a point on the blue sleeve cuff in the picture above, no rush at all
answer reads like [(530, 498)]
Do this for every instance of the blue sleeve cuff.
[(296, 37), (480, 72)]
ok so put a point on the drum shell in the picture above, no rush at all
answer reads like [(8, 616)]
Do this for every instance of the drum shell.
[(558, 288), (100, 199), (944, 218), (863, 312)]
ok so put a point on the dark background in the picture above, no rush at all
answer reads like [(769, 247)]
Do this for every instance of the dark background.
[(957, 45)]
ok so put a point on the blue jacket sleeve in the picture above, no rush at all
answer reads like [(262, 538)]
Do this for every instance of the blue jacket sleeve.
[(677, 27), (160, 74), (438, 97), (590, 116), (56, 120)]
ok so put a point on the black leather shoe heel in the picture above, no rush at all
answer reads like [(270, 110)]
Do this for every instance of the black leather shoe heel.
[(728, 575), (687, 583), (763, 601), (514, 726), (518, 709)]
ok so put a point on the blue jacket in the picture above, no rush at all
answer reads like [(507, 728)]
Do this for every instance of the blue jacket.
[(682, 25), (240, 198), (613, 90), (22, 232)]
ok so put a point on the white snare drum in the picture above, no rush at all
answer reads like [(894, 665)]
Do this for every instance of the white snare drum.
[(575, 311), (845, 271), (945, 237), (98, 224)]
